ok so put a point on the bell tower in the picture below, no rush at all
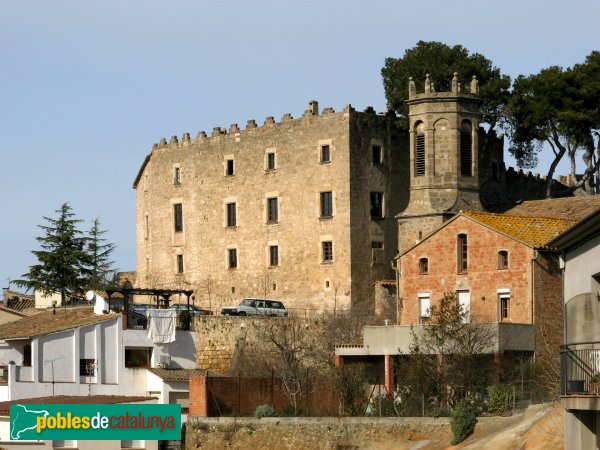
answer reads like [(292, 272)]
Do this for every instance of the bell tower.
[(444, 174)]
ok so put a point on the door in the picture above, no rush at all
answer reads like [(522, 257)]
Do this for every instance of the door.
[(464, 300)]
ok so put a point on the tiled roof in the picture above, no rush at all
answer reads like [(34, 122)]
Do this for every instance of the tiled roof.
[(178, 374), (47, 322), (533, 231), (74, 399), (572, 208), (19, 304)]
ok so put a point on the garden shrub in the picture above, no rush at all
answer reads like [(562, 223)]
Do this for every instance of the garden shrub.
[(464, 418), (263, 411), (500, 398)]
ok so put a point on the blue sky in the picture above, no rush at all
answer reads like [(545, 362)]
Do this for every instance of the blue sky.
[(88, 86)]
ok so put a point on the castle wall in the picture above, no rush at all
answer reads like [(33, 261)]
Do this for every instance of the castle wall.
[(301, 278)]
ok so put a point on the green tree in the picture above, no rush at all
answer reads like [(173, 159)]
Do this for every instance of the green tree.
[(101, 266), (62, 260), (557, 109), (458, 347), (441, 61)]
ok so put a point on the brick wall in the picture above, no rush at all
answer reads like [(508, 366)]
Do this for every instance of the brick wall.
[(482, 278), (224, 396)]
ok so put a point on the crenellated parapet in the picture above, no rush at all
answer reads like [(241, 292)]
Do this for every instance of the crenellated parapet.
[(310, 114), (430, 93)]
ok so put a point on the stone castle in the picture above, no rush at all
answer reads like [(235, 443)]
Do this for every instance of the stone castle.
[(313, 210)]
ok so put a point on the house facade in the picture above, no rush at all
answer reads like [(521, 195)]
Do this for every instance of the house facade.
[(75, 352), (580, 355)]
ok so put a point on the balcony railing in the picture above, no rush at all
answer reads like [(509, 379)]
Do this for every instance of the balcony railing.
[(580, 369)]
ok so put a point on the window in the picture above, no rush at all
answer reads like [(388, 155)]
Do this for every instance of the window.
[(466, 150), (177, 176), (146, 227), (138, 357), (376, 154), (232, 258), (424, 307), (179, 263), (504, 304), (502, 259), (272, 213), (178, 216), (325, 154), (27, 355), (271, 161), (231, 215), (327, 251), (423, 266), (87, 367), (326, 204), (376, 244), (377, 205), (273, 255), (229, 167), (462, 254), (420, 150)]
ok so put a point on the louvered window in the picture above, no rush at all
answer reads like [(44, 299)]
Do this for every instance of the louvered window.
[(420, 151), (466, 150)]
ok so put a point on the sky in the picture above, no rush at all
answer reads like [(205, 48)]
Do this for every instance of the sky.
[(86, 87)]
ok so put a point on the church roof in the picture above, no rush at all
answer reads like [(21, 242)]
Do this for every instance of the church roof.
[(571, 208)]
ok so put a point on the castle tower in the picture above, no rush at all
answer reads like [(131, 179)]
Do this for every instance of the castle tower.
[(443, 157)]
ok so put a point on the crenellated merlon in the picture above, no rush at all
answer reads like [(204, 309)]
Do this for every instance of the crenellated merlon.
[(251, 125), (429, 87)]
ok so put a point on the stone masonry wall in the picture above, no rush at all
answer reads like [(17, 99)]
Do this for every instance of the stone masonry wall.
[(203, 188)]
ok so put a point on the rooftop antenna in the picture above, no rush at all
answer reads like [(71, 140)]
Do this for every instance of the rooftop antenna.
[(51, 361)]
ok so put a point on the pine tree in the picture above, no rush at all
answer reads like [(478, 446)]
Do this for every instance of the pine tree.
[(63, 260), (99, 252)]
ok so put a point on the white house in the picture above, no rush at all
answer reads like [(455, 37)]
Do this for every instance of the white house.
[(75, 352)]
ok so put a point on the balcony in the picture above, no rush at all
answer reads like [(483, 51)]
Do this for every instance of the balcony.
[(580, 376)]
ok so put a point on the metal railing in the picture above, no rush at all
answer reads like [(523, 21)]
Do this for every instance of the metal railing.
[(580, 369)]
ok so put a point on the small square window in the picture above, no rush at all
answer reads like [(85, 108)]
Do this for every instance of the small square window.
[(232, 261), (273, 255), (179, 263), (87, 367), (377, 154), (229, 168), (376, 244), (325, 154), (271, 161), (423, 266), (327, 249)]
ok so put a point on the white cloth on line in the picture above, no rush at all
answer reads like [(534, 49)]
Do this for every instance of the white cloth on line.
[(162, 325)]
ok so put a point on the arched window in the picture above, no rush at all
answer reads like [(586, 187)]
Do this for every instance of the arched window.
[(419, 150), (462, 253), (423, 266), (466, 149)]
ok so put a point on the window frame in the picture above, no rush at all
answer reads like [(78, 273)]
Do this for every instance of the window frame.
[(325, 153), (176, 175), (423, 266), (420, 161), (466, 149), (180, 266), (270, 162), (462, 253), (377, 154), (231, 214), (374, 196), (503, 260), (146, 350), (424, 313), (178, 217), (229, 167), (326, 204), (274, 255), (232, 258), (504, 302), (87, 367), (326, 252), (272, 210)]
